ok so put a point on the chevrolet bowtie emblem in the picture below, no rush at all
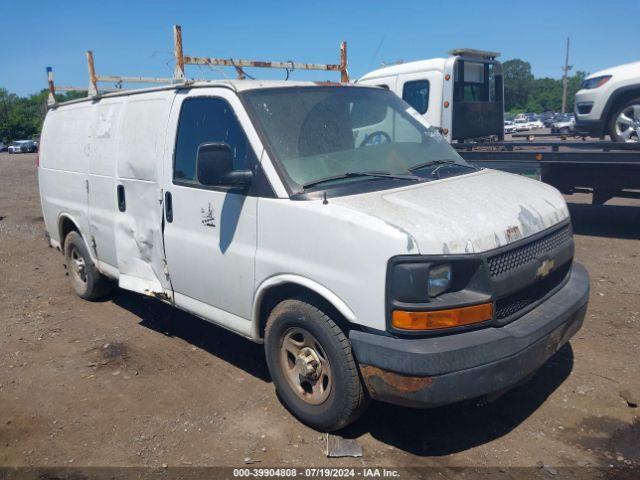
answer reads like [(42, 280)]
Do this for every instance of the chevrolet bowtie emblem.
[(545, 267)]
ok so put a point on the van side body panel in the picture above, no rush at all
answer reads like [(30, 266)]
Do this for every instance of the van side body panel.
[(327, 245), (89, 150), (62, 176)]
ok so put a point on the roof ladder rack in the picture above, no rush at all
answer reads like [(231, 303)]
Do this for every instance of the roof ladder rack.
[(238, 64), (179, 77), (51, 99), (94, 78)]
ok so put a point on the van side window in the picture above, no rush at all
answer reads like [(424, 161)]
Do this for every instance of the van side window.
[(416, 94), (207, 120)]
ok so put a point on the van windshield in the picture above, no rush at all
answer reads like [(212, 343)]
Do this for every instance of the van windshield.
[(329, 135)]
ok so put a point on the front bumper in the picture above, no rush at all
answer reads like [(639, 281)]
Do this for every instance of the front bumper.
[(591, 122), (592, 127), (429, 372)]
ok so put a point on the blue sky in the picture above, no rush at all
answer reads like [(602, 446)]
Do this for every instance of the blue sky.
[(135, 38)]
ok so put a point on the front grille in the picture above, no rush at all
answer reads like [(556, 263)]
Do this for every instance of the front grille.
[(512, 304), (507, 261)]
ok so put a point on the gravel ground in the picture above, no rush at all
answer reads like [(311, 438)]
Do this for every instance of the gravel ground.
[(132, 382)]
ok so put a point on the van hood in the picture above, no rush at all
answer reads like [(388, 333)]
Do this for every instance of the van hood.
[(466, 214)]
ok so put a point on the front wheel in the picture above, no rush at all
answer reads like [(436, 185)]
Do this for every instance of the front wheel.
[(624, 125), (312, 366)]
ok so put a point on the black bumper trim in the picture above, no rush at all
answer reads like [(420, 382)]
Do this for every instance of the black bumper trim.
[(593, 127), (471, 364)]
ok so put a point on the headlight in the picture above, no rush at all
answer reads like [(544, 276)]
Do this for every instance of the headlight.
[(595, 82), (440, 277), (418, 282), (430, 293)]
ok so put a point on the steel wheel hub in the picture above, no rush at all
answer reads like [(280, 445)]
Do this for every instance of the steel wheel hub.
[(78, 266), (305, 366), (308, 363)]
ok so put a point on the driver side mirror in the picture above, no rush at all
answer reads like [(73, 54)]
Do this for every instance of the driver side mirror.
[(214, 166), (239, 178)]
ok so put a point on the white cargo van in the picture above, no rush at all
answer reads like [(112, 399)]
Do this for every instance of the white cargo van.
[(330, 222)]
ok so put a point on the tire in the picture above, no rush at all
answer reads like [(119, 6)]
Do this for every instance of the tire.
[(336, 397), (627, 129), (85, 278)]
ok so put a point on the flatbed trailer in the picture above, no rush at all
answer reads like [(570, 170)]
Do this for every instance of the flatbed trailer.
[(604, 169)]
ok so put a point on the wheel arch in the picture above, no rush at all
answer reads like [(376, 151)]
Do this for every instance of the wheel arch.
[(617, 99), (66, 224), (275, 289)]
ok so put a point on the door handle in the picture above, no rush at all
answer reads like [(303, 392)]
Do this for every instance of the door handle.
[(168, 207), (122, 202)]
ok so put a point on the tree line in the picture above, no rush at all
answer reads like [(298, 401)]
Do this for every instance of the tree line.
[(21, 117), (524, 93)]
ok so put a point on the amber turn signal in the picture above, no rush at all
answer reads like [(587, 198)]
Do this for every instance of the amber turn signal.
[(453, 317)]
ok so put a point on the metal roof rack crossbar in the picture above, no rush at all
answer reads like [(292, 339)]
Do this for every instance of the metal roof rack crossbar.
[(239, 64), (182, 60)]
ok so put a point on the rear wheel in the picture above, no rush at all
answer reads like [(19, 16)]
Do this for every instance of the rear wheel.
[(624, 125), (312, 366), (85, 278)]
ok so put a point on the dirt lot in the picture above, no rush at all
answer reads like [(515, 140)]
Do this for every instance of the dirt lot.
[(131, 381)]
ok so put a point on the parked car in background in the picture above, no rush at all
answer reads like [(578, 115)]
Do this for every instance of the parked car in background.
[(522, 124), (549, 120), (608, 102), (545, 117), (509, 127), (535, 124), (23, 146), (564, 125), (3, 147)]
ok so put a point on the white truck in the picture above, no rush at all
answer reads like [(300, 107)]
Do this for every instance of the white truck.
[(330, 222), (462, 94)]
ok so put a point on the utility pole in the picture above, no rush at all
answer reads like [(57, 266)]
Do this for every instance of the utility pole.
[(565, 79)]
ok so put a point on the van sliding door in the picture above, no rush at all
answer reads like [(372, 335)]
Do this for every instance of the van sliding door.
[(138, 194)]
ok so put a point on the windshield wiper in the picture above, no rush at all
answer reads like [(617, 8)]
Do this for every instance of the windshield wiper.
[(441, 162), (360, 174)]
